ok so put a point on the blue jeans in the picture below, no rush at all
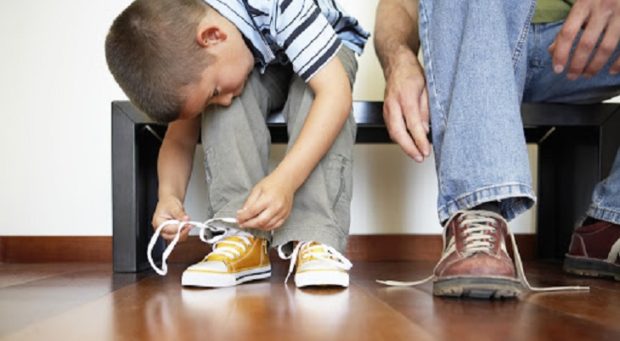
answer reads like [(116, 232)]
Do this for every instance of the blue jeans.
[(482, 59)]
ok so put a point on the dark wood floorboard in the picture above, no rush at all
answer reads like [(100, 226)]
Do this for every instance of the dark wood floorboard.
[(89, 302), (541, 316)]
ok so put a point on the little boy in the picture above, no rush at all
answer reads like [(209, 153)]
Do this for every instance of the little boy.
[(217, 68)]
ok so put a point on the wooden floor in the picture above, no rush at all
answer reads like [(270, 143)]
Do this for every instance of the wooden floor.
[(89, 302)]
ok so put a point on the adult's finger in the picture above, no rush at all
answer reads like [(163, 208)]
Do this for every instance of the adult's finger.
[(398, 131), (605, 49), (419, 128), (586, 45), (410, 105), (564, 41), (615, 68), (424, 110)]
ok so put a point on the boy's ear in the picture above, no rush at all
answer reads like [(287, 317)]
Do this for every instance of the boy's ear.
[(210, 35)]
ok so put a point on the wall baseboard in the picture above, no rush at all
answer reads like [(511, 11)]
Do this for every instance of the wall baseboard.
[(34, 249), (44, 249)]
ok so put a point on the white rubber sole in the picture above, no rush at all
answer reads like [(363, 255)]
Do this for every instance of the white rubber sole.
[(322, 278), (205, 279)]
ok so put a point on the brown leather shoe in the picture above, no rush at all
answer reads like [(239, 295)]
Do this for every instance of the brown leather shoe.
[(595, 251), (475, 262)]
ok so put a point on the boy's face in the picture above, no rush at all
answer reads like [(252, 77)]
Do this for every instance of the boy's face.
[(219, 84), (224, 78)]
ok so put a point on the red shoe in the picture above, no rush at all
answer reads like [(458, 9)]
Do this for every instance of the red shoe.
[(595, 251), (475, 262)]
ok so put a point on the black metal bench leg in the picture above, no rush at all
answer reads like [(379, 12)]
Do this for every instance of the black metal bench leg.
[(134, 194), (567, 174), (609, 143)]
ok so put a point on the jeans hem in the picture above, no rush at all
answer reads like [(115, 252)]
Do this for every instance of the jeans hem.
[(515, 198), (604, 213)]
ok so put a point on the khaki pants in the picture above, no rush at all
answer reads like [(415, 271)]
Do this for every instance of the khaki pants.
[(236, 144)]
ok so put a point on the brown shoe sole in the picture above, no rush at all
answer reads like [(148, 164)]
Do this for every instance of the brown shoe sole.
[(478, 287), (591, 267)]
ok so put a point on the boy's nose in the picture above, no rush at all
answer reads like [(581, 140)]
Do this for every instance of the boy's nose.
[(225, 99), (228, 99)]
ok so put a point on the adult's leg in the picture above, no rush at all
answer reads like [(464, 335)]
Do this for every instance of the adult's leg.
[(474, 53), (543, 85), (595, 245)]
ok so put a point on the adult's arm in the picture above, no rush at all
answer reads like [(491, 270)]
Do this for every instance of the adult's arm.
[(405, 107)]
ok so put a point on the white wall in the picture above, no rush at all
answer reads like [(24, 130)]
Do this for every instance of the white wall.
[(55, 131)]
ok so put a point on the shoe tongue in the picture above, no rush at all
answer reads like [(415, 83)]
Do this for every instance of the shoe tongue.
[(236, 237), (317, 248)]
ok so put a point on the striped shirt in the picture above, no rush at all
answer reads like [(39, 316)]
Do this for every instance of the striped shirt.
[(306, 33)]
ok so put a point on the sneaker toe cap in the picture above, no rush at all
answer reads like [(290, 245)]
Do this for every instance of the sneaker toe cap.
[(209, 266), (480, 265)]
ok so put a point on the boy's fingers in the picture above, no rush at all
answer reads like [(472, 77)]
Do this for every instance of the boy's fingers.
[(248, 209), (247, 217), (260, 221), (275, 222), (278, 223), (179, 213), (184, 234)]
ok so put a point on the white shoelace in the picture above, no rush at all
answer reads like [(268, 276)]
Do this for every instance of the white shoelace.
[(230, 248), (614, 253), (476, 224), (224, 232), (320, 251)]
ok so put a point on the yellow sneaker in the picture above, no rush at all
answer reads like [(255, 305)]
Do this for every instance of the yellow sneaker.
[(235, 259), (317, 265)]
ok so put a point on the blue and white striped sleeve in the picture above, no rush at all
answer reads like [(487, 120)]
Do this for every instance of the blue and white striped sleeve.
[(305, 35)]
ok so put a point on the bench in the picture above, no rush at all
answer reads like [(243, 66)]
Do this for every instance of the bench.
[(577, 145)]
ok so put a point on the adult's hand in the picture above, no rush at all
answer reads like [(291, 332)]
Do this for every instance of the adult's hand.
[(405, 106), (600, 21)]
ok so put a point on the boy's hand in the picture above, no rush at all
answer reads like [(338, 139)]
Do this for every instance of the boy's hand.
[(600, 22), (405, 108), (268, 205), (170, 208)]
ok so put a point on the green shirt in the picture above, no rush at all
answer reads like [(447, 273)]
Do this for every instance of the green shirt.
[(551, 10)]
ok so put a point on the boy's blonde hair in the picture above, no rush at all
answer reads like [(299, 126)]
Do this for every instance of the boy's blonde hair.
[(152, 53)]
